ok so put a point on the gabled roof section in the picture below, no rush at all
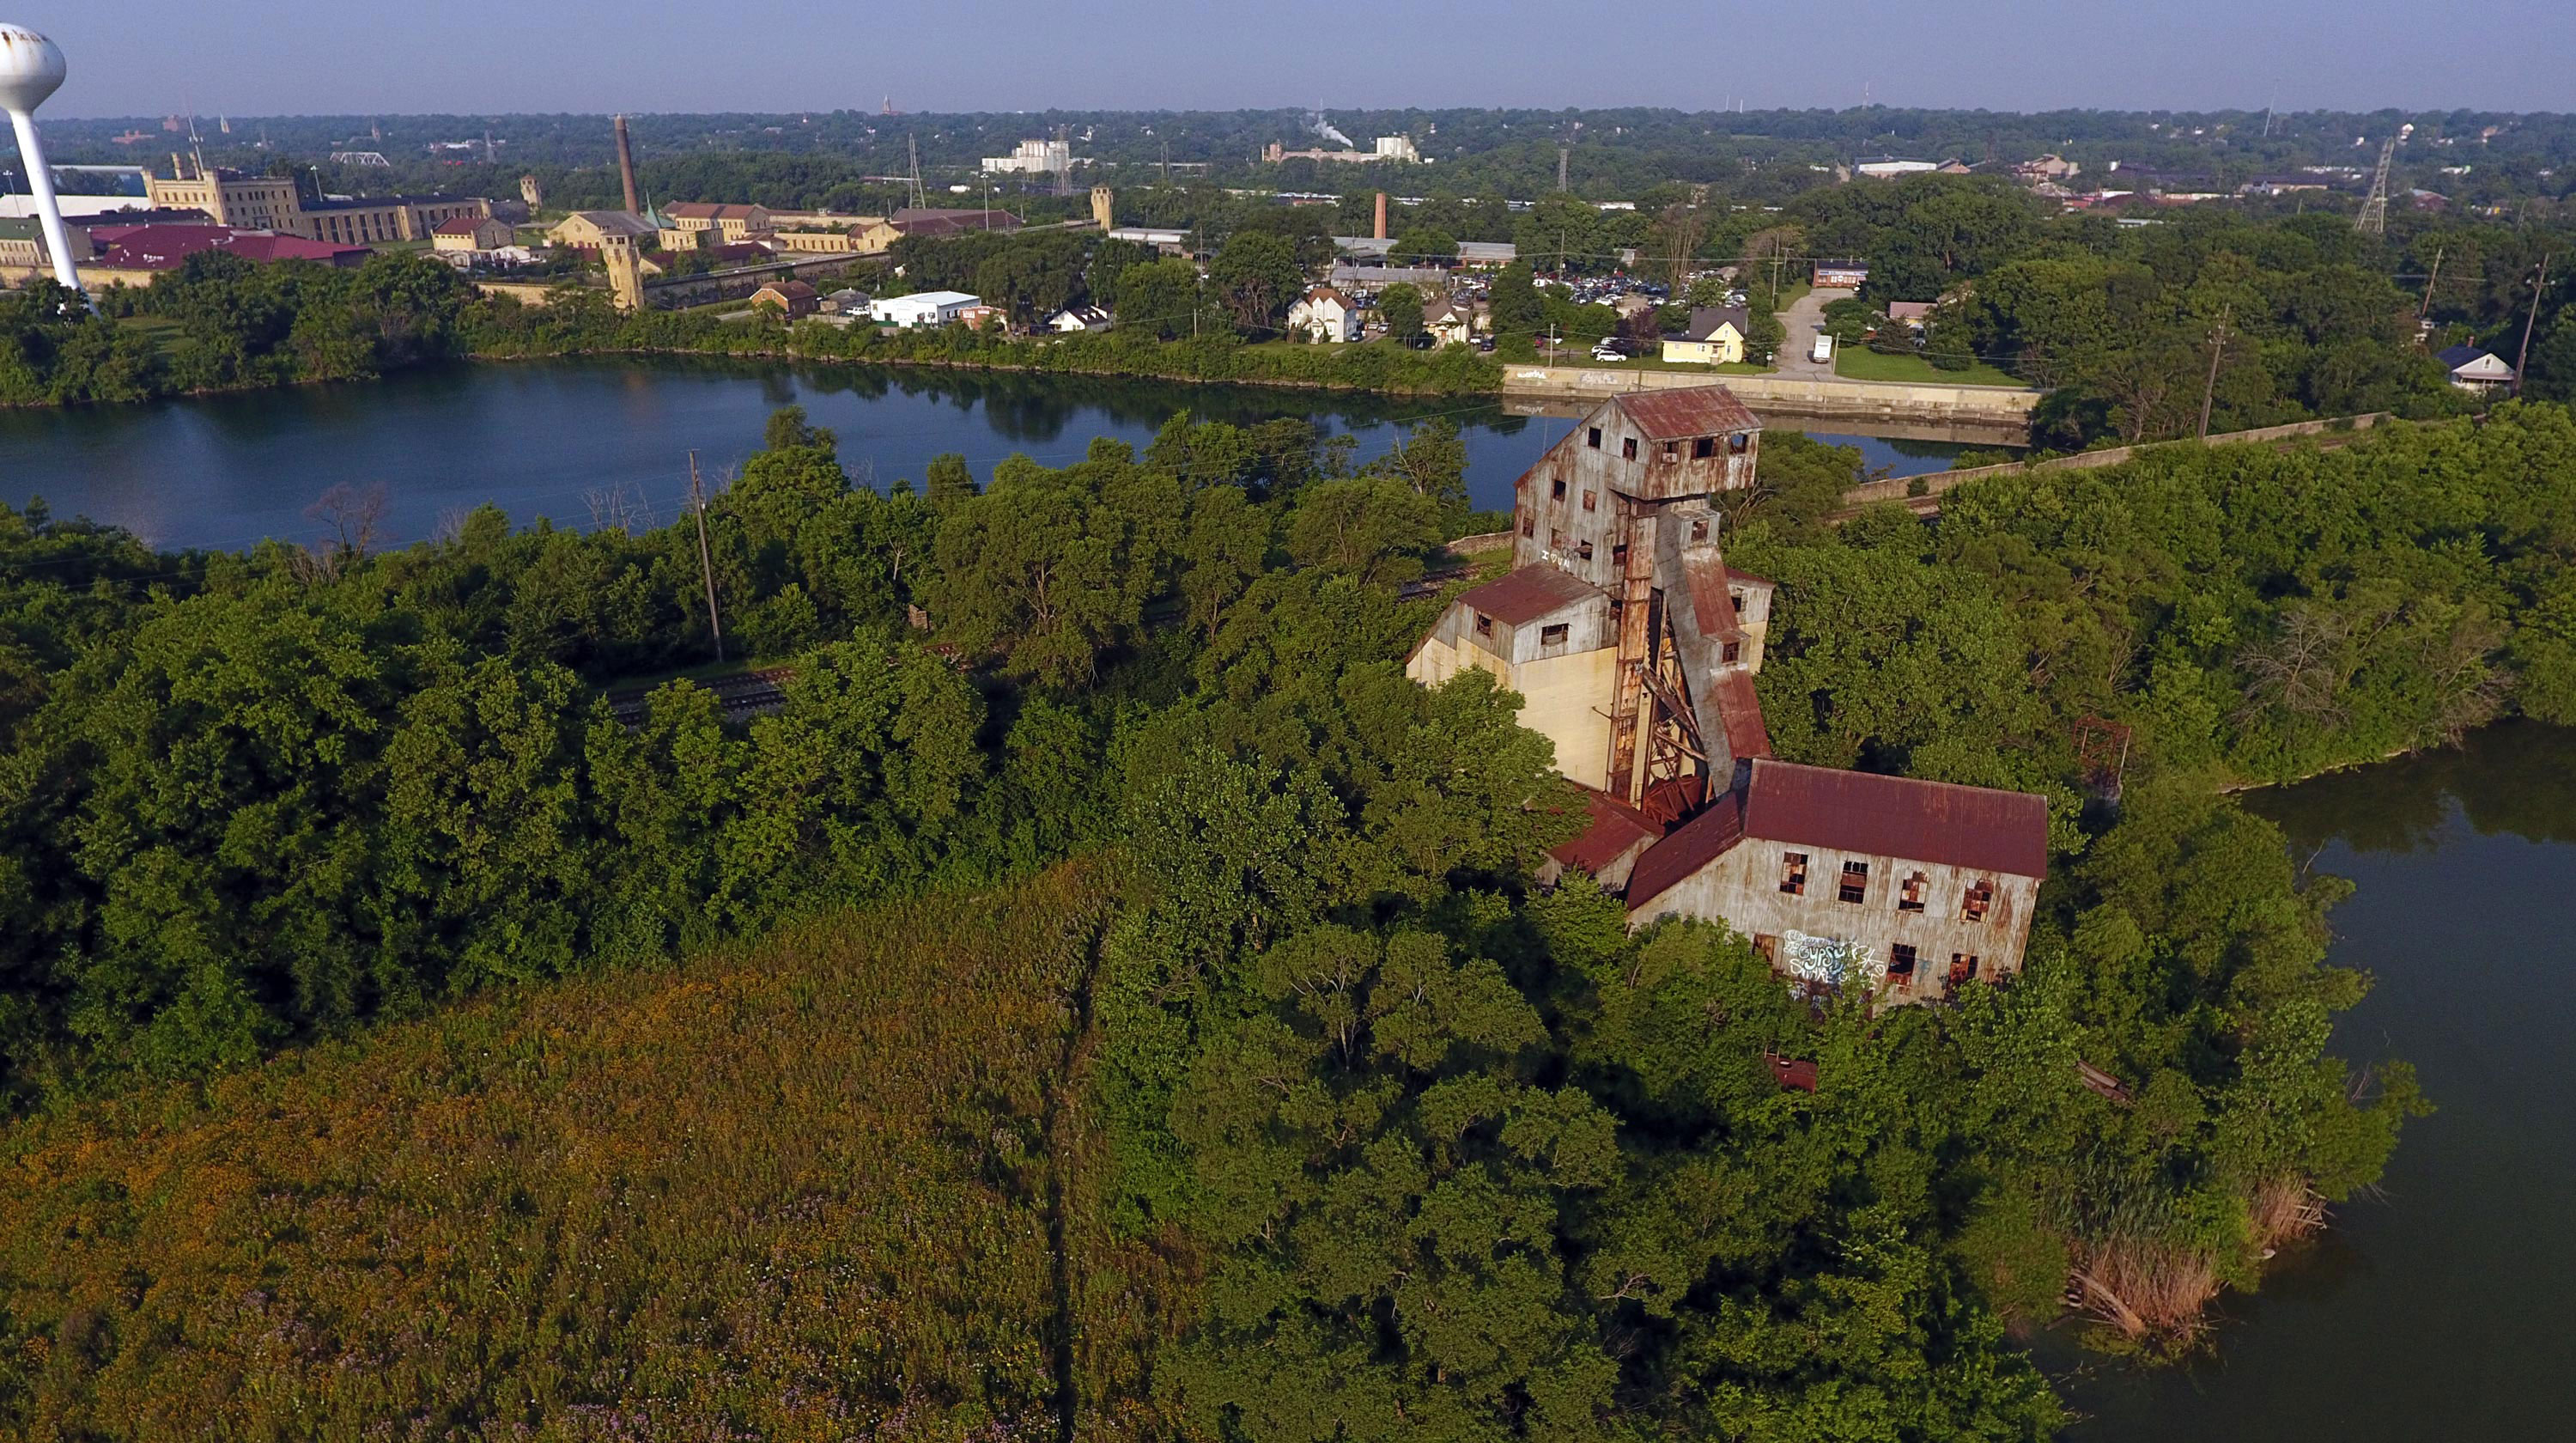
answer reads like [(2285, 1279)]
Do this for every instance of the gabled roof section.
[(1693, 845), (1528, 594), (1695, 411), (1614, 827), (1978, 828)]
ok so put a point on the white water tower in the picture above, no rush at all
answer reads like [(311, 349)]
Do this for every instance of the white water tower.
[(31, 69)]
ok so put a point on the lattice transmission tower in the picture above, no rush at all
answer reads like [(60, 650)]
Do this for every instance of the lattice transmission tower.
[(2373, 219)]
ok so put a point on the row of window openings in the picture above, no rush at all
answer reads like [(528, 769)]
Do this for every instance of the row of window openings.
[(1702, 447), (1911, 897), (1902, 957)]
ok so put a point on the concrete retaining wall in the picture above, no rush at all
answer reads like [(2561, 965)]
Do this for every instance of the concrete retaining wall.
[(1900, 488), (1848, 400)]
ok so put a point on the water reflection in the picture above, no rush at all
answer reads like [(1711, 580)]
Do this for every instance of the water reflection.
[(538, 438), (2517, 779)]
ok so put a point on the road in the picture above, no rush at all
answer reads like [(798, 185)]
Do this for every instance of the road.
[(1804, 318)]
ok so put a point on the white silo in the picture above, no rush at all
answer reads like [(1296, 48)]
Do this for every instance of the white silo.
[(31, 68)]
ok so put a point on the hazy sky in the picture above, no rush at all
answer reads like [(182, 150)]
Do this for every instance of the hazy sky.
[(265, 57)]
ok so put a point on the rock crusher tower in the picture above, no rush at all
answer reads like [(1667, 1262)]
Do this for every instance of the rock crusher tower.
[(1622, 627)]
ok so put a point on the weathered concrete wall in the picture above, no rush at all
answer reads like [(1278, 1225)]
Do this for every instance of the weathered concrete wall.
[(1853, 400), (1899, 488), (1743, 886)]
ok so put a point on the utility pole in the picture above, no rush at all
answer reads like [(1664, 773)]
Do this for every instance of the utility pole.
[(2430, 279), (706, 565), (2217, 349), (2522, 357)]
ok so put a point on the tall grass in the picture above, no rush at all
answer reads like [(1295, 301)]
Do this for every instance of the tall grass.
[(838, 1184)]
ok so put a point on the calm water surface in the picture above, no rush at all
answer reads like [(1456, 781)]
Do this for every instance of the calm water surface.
[(2439, 1310), (551, 438)]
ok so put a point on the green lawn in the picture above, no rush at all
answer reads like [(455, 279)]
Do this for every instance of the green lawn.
[(1862, 364), (165, 334)]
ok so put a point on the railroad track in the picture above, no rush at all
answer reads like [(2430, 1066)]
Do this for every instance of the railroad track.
[(742, 695)]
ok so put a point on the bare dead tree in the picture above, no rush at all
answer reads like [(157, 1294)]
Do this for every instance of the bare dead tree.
[(354, 514)]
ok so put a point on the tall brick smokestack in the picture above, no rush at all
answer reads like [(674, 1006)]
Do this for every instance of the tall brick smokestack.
[(1381, 212), (626, 167)]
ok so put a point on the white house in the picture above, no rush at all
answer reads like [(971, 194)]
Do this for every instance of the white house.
[(1075, 319), (1449, 322), (1325, 314), (929, 308), (2475, 370)]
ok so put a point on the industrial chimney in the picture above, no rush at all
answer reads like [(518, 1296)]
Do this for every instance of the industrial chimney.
[(1381, 215), (626, 167), (31, 69)]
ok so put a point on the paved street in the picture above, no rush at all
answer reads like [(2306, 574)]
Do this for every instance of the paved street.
[(1804, 318)]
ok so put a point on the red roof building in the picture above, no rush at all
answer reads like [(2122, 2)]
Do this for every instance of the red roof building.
[(164, 247)]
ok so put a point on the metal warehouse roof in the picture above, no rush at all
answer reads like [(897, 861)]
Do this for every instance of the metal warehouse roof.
[(1528, 594), (1696, 411)]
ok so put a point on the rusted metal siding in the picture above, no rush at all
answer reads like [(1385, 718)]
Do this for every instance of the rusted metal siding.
[(1742, 887)]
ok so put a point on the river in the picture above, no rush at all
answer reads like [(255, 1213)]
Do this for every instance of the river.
[(547, 438), (2434, 1310)]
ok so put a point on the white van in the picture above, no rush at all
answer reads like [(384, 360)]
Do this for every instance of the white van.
[(1822, 351)]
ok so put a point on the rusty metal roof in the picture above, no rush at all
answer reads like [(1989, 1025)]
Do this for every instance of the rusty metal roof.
[(1978, 828), (1695, 411), (1704, 577), (1615, 828), (1528, 594), (1740, 711), (1686, 849)]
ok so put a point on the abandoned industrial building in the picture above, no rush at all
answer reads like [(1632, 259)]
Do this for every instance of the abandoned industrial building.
[(1633, 646)]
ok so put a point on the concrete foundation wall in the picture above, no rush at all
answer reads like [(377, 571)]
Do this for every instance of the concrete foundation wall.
[(1855, 400)]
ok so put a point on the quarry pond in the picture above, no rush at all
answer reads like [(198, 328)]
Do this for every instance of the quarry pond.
[(2431, 1310), (552, 438)]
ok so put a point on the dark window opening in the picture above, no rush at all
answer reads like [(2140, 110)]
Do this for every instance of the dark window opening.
[(1552, 635), (1736, 600), (1963, 968), (1793, 873), (1591, 500), (1556, 490), (1732, 651), (1627, 448), (1703, 447), (1555, 539), (1855, 883), (1699, 531), (1737, 445), (1910, 897), (1529, 526), (1584, 550), (1619, 553), (1484, 624), (1981, 897), (1594, 439), (1900, 962), (1672, 450)]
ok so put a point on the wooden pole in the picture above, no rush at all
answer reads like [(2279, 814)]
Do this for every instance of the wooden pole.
[(2430, 280), (2217, 349), (2522, 357), (706, 565)]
